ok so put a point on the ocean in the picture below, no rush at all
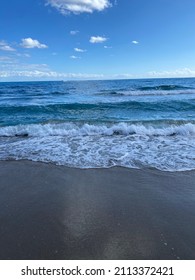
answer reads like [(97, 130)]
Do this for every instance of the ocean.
[(92, 124)]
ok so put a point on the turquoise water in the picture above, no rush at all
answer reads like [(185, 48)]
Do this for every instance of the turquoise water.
[(132, 123)]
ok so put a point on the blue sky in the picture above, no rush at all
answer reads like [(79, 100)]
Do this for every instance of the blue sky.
[(96, 39)]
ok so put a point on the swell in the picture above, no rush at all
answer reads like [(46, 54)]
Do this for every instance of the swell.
[(183, 105), (22, 93)]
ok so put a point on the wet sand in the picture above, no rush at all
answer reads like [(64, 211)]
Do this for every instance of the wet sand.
[(54, 212)]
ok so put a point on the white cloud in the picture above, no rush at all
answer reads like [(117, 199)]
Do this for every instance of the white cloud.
[(79, 6), (135, 42), (30, 43), (107, 47), (97, 39), (74, 32), (5, 47), (74, 57), (79, 50)]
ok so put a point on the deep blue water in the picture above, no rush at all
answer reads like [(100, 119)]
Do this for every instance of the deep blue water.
[(133, 123)]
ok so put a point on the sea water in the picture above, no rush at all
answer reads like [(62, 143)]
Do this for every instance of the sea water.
[(93, 124)]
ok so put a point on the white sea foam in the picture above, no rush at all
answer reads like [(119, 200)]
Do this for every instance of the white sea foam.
[(87, 146)]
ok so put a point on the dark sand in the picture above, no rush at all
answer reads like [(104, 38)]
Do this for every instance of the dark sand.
[(53, 212)]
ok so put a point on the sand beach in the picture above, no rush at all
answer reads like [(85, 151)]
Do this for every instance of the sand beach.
[(55, 212)]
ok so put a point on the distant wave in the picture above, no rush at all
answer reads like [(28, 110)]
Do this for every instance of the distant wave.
[(164, 87), (23, 93), (150, 90)]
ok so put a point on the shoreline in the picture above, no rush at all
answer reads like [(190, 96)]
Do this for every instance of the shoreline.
[(55, 212)]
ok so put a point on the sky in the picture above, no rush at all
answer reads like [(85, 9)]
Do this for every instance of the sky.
[(96, 39)]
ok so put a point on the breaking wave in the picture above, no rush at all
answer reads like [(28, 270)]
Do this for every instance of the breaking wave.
[(70, 129)]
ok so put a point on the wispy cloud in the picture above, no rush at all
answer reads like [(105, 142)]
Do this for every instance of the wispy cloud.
[(74, 32), (37, 74), (74, 57), (23, 54), (79, 50), (7, 62), (107, 47), (14, 65), (122, 76), (30, 43), (5, 58), (78, 6), (6, 47), (97, 39), (27, 55), (135, 42)]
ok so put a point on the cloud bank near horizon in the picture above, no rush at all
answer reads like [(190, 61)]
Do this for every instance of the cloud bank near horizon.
[(38, 72)]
